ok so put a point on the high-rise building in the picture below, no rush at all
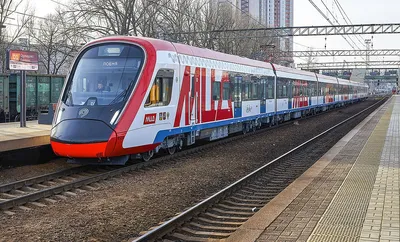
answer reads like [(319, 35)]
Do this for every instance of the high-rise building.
[(270, 13), (280, 14), (255, 9)]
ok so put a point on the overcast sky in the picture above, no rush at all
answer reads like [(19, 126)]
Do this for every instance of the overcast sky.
[(359, 12)]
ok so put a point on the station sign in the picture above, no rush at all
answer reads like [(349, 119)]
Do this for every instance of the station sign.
[(21, 60)]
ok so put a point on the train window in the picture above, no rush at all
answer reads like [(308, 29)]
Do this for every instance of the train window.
[(226, 91), (331, 89), (245, 91), (284, 91), (250, 91), (160, 92), (216, 90), (298, 88), (283, 88), (246, 88), (313, 87), (307, 89), (105, 72), (321, 89), (254, 88), (270, 88)]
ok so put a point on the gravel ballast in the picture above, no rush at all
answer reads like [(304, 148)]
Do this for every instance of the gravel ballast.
[(122, 207), (8, 175)]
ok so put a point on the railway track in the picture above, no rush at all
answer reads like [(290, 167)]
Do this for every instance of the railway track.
[(34, 190), (31, 190), (224, 212)]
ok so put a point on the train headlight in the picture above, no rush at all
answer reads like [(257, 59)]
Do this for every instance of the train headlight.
[(115, 116)]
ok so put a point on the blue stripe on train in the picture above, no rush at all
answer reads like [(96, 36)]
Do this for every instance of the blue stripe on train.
[(164, 133)]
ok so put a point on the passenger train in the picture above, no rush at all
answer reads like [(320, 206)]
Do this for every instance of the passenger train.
[(129, 96)]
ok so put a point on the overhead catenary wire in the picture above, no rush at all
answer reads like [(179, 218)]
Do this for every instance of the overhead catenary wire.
[(349, 22), (327, 18), (329, 21), (291, 40), (334, 18)]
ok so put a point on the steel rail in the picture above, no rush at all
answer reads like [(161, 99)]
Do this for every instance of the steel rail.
[(32, 196), (185, 216), (43, 178), (91, 178)]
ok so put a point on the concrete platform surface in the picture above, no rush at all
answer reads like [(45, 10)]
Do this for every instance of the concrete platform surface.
[(350, 194), (12, 137)]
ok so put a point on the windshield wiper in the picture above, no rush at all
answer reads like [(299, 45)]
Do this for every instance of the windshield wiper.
[(122, 94), (118, 97)]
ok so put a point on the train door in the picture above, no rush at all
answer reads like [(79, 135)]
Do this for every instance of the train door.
[(307, 91), (237, 95), (194, 101), (263, 91), (194, 94)]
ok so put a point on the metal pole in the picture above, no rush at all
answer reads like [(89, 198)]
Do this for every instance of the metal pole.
[(23, 99)]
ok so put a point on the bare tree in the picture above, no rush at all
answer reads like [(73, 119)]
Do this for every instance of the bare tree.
[(108, 17), (53, 43), (12, 30), (171, 20), (179, 16)]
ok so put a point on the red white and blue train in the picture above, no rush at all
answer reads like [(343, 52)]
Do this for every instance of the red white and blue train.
[(134, 96)]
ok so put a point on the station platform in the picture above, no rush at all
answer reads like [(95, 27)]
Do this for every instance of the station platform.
[(350, 194), (13, 137)]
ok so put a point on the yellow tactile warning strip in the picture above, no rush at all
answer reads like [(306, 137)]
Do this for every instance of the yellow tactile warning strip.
[(382, 221), (13, 137), (343, 219), (273, 221)]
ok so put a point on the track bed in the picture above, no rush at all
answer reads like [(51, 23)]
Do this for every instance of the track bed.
[(125, 206)]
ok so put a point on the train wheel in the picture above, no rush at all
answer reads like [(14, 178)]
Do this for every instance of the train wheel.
[(146, 156), (171, 150), (253, 127), (245, 129)]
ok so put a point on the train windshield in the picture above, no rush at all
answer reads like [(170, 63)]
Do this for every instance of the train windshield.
[(104, 75)]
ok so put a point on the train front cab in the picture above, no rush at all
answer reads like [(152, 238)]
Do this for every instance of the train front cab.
[(93, 113)]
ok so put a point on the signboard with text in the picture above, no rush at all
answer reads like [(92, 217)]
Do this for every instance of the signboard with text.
[(22, 60)]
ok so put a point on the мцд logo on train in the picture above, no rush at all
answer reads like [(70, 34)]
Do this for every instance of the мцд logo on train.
[(150, 118)]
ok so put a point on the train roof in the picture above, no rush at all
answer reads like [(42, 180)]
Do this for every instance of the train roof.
[(327, 79), (215, 55), (359, 84), (343, 81), (281, 71), (163, 45)]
